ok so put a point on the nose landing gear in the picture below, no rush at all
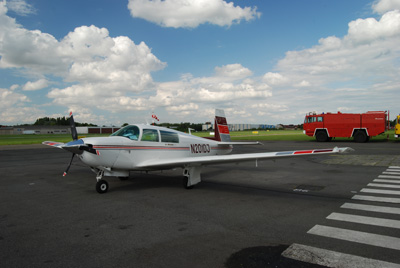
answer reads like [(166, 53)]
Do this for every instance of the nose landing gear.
[(101, 185)]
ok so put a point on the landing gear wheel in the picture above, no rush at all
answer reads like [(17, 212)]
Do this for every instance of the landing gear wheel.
[(101, 186), (185, 183)]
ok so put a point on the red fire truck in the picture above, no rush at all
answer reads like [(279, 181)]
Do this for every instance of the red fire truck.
[(361, 127)]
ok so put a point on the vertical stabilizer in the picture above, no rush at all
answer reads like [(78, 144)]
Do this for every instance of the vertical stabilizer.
[(221, 127)]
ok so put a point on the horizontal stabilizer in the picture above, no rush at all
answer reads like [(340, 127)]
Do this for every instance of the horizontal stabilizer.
[(76, 147)]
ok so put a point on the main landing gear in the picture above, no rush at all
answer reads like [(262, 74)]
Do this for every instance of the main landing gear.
[(191, 176)]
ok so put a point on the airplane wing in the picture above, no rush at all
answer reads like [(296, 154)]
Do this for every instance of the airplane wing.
[(234, 158)]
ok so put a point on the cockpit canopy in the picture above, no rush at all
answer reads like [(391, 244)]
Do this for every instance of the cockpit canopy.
[(130, 132), (147, 134)]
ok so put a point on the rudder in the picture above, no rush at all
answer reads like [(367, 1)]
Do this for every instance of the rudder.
[(221, 127)]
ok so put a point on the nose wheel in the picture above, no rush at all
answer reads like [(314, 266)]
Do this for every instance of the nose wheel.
[(101, 186)]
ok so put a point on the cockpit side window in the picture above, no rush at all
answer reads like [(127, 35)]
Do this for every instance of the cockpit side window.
[(150, 135), (130, 132), (167, 136)]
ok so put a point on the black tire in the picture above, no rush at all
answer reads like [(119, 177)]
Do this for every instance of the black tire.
[(185, 183), (322, 136), (360, 136), (101, 186)]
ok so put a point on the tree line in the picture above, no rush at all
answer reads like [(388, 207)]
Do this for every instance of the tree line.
[(64, 121), (59, 121), (183, 127)]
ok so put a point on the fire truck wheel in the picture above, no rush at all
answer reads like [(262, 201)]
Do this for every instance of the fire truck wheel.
[(360, 136), (322, 136)]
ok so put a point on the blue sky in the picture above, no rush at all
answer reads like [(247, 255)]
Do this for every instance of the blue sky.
[(263, 61)]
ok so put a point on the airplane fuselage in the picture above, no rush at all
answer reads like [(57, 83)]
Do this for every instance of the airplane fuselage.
[(124, 152)]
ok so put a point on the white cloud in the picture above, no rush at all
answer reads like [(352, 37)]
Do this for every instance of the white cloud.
[(370, 47), (20, 7), (14, 107), (191, 13), (9, 98), (357, 72), (274, 79), (102, 71), (36, 85), (234, 71), (383, 6)]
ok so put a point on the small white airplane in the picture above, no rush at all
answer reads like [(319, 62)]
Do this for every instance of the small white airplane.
[(143, 147)]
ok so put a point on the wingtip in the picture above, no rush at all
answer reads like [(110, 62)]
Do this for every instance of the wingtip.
[(343, 150)]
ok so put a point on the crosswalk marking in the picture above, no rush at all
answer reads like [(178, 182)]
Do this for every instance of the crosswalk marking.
[(383, 185), (391, 172), (390, 181), (377, 199), (356, 236), (376, 191), (332, 258), (364, 220), (381, 209), (388, 177)]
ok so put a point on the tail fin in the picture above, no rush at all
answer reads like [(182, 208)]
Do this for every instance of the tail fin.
[(221, 127)]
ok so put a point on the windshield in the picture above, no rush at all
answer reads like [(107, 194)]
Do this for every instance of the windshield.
[(130, 132)]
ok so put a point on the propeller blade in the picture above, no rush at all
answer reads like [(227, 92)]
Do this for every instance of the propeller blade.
[(73, 127), (66, 171)]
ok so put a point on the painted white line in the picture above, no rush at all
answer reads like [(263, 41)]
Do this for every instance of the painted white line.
[(388, 177), (377, 199), (375, 191), (330, 258), (390, 181), (390, 172), (371, 208), (383, 185), (364, 220), (395, 167), (356, 236)]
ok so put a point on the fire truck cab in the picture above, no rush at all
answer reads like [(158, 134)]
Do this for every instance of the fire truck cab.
[(361, 127)]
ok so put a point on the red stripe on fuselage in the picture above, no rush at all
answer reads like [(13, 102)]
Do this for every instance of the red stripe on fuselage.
[(111, 147)]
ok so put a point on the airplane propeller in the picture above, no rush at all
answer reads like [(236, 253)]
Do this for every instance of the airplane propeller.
[(73, 127), (84, 147), (70, 163)]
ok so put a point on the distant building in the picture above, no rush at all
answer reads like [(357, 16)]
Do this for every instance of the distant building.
[(34, 130), (240, 127), (19, 130)]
